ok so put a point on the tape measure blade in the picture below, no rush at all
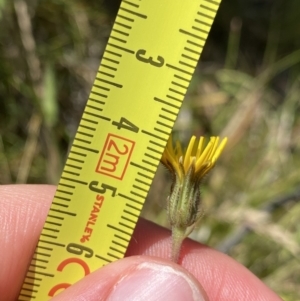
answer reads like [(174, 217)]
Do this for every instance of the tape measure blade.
[(144, 74)]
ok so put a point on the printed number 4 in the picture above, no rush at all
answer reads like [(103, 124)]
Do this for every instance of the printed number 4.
[(126, 124)]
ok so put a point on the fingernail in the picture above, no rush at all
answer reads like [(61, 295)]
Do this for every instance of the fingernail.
[(153, 281)]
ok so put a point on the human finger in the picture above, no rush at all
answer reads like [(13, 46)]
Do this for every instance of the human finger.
[(136, 278), (23, 210), (222, 277)]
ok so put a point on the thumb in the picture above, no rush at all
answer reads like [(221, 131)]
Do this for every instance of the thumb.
[(136, 278)]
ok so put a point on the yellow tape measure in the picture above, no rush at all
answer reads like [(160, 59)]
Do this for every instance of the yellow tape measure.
[(145, 71)]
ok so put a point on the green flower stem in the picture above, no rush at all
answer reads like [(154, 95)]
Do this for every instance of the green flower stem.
[(178, 236)]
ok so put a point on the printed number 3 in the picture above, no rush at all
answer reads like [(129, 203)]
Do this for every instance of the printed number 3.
[(140, 55)]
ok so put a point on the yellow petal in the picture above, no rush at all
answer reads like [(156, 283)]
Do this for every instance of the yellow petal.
[(200, 146), (187, 156), (220, 149), (205, 153)]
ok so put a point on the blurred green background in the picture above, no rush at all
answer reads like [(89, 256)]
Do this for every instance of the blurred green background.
[(246, 87)]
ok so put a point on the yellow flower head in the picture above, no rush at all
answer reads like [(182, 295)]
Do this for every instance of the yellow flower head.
[(188, 168), (201, 159)]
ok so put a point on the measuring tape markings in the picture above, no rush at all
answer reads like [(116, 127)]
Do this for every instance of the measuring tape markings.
[(80, 197)]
